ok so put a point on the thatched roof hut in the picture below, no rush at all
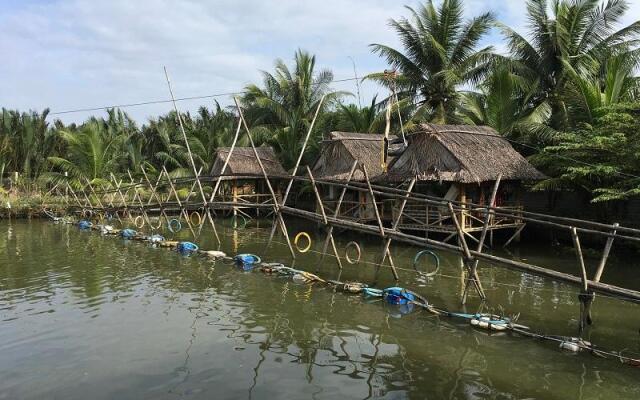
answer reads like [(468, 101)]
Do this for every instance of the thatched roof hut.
[(462, 154), (341, 149), (243, 162)]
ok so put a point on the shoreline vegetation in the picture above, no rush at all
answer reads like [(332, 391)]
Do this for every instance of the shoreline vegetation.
[(565, 94)]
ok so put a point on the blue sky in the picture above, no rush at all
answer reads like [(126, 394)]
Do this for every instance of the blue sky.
[(69, 54)]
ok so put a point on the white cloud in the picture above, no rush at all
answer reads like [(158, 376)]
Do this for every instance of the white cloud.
[(69, 54)]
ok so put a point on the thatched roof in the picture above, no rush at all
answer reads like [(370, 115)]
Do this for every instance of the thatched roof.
[(460, 153), (243, 162), (341, 149)]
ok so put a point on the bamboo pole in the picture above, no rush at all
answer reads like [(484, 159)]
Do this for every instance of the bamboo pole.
[(623, 293), (585, 296), (373, 199), (276, 206), (142, 208), (324, 216), (336, 213), (226, 160), (403, 204), (193, 163), (483, 235), (605, 255), (285, 197), (515, 235), (183, 211), (468, 258)]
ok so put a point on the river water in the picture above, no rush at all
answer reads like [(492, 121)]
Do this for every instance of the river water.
[(84, 316)]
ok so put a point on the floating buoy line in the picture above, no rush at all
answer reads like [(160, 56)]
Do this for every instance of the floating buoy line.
[(406, 300)]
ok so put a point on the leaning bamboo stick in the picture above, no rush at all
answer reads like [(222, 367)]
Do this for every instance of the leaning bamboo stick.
[(276, 206), (386, 249), (324, 215), (193, 163), (605, 255), (336, 212)]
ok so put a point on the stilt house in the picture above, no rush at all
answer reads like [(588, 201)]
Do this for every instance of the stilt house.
[(338, 152), (460, 163), (243, 182)]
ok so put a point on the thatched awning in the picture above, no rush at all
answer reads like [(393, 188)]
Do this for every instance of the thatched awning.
[(243, 162), (460, 153), (341, 149)]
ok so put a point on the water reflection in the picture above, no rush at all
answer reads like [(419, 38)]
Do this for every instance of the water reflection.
[(85, 314)]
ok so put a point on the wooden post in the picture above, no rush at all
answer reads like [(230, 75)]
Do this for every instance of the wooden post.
[(324, 215), (139, 198), (336, 213), (193, 163), (605, 254), (226, 161), (467, 255), (234, 197), (373, 199), (276, 205), (183, 211), (463, 200), (483, 236), (585, 296), (398, 218), (515, 235), (295, 168)]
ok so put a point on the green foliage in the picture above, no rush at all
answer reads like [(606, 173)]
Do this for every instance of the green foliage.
[(283, 108), (440, 54), (602, 159), (569, 83), (575, 38)]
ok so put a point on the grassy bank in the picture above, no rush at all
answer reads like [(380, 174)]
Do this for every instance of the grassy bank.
[(15, 204)]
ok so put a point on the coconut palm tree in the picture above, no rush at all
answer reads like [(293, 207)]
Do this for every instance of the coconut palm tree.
[(440, 55), (571, 35), (368, 119), (284, 107), (614, 83), (503, 102), (92, 153)]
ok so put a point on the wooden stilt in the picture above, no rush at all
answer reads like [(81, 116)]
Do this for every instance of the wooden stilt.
[(155, 195), (324, 216), (485, 227), (387, 243), (183, 211), (515, 235), (473, 277), (193, 164), (226, 161), (605, 254), (336, 213), (585, 296), (295, 169), (136, 196), (276, 205)]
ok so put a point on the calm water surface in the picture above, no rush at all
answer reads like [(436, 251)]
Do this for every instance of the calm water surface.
[(84, 316)]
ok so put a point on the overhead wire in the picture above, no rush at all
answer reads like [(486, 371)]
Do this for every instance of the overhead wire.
[(153, 102)]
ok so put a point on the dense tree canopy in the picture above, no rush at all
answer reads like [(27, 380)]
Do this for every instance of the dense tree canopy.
[(566, 90)]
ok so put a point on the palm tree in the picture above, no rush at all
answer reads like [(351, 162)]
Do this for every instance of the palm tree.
[(614, 83), (24, 139), (440, 55), (284, 107), (92, 153), (577, 35), (503, 102), (351, 118)]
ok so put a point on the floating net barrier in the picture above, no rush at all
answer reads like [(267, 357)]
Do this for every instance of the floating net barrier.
[(406, 300)]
